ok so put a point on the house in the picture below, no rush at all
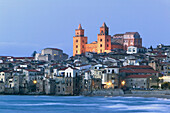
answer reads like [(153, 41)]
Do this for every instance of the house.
[(87, 82), (137, 70), (83, 67), (30, 74), (134, 50), (4, 75), (12, 85), (141, 81), (110, 77), (72, 79)]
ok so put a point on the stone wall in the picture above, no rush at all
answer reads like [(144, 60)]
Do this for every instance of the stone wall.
[(156, 92)]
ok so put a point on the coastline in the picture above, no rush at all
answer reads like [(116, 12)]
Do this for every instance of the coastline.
[(147, 96), (124, 95)]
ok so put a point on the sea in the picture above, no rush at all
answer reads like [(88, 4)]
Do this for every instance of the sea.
[(81, 104)]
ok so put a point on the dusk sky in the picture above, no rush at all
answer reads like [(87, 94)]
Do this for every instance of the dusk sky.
[(32, 25)]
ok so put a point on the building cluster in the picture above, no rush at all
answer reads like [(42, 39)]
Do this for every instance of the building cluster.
[(53, 72), (105, 42)]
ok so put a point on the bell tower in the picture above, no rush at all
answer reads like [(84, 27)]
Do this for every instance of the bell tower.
[(103, 39), (79, 41)]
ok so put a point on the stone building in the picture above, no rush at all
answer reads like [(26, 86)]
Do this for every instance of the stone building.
[(141, 81), (104, 43), (51, 54), (71, 80)]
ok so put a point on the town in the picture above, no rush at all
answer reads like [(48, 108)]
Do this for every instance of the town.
[(112, 62)]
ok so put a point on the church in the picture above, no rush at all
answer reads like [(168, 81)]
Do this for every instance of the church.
[(105, 42)]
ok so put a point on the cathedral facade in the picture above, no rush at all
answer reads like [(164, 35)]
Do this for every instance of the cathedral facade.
[(105, 42)]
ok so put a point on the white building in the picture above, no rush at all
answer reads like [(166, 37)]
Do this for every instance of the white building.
[(69, 72), (133, 50)]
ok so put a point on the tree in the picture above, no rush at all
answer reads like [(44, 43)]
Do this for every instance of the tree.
[(157, 80), (151, 48), (165, 85), (34, 53)]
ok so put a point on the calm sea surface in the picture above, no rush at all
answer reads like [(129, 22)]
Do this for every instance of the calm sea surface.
[(80, 104)]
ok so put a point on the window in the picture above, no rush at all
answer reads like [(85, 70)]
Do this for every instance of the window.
[(100, 40), (76, 40), (76, 74), (83, 46), (100, 51), (107, 45), (83, 41), (70, 74), (76, 51), (76, 46), (129, 50), (100, 45), (63, 89), (107, 40)]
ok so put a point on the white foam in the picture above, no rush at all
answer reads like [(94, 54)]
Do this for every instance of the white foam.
[(151, 107), (48, 104)]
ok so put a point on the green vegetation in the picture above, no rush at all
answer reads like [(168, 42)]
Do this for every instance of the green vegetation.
[(165, 85)]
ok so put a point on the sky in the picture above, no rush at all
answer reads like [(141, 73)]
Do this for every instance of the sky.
[(32, 25)]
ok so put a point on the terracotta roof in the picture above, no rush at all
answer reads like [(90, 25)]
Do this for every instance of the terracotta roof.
[(118, 35), (139, 71), (141, 66), (161, 56), (112, 67), (6, 71), (138, 76), (94, 42), (127, 33), (23, 57), (31, 70)]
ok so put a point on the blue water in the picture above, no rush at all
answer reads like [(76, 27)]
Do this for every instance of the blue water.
[(80, 104)]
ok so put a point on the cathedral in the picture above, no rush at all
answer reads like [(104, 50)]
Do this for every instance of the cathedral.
[(105, 42)]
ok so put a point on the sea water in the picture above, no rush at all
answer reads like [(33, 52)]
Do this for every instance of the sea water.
[(81, 104)]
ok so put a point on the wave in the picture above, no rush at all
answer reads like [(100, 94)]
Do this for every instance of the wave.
[(150, 107), (48, 104)]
